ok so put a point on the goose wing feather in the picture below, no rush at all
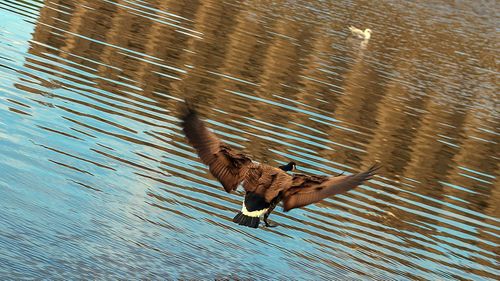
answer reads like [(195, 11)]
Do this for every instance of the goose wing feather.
[(305, 189), (228, 166)]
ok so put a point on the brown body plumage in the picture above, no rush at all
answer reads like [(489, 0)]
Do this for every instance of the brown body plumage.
[(268, 183)]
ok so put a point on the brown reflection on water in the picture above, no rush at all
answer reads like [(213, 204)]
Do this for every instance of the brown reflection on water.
[(400, 137), (408, 99)]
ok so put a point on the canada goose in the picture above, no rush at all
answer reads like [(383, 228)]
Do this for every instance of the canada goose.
[(360, 33), (265, 185)]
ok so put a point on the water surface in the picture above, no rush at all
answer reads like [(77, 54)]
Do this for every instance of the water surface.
[(97, 181)]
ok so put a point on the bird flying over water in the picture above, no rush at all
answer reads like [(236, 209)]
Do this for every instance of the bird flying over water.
[(360, 33), (265, 186)]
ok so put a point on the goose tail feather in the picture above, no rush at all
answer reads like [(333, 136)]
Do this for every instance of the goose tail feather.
[(245, 220)]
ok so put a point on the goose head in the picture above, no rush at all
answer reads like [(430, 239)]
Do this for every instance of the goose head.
[(368, 33), (291, 166)]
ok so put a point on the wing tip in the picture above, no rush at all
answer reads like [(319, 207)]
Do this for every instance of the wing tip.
[(187, 110), (375, 166), (372, 171)]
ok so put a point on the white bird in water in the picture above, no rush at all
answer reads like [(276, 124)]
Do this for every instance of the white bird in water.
[(360, 33)]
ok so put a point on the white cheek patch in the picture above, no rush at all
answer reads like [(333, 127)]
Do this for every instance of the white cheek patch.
[(256, 213)]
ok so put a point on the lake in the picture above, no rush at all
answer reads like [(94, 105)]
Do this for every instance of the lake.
[(98, 182)]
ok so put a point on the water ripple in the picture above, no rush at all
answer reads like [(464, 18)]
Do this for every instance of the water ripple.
[(98, 182)]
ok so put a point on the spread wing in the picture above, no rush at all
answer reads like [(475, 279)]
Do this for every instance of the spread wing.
[(306, 189), (224, 164)]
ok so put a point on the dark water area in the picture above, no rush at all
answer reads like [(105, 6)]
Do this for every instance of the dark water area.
[(98, 182)]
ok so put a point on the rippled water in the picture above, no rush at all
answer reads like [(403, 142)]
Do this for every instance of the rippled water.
[(97, 181)]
